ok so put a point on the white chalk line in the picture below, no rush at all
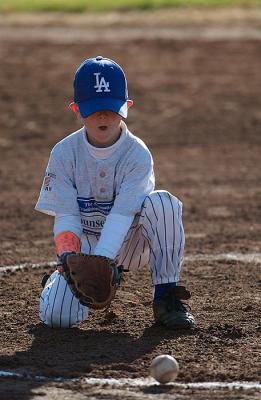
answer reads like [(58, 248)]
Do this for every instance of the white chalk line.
[(254, 258), (141, 382), (18, 267)]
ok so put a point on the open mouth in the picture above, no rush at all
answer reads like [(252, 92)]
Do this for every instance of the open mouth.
[(103, 127)]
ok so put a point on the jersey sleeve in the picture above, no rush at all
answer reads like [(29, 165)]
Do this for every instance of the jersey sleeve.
[(112, 236), (58, 192), (138, 182)]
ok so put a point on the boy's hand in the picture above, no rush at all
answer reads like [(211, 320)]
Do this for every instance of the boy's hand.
[(61, 260)]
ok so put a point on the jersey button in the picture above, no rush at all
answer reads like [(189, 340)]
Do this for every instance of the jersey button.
[(102, 174), (102, 190)]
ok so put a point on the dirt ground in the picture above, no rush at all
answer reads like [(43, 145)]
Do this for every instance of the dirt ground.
[(198, 108)]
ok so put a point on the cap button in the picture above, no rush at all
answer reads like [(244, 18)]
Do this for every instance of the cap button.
[(99, 58)]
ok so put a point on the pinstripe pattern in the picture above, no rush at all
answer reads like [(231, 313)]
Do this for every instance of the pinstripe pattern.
[(89, 244), (160, 239), (59, 308), (165, 232), (65, 289), (156, 238), (148, 198), (173, 225), (54, 301)]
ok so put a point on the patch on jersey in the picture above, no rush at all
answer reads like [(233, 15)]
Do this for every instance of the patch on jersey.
[(93, 214), (48, 180)]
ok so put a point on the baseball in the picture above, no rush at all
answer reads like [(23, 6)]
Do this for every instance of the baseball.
[(164, 368)]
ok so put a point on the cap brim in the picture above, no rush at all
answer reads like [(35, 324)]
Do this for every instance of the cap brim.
[(91, 106)]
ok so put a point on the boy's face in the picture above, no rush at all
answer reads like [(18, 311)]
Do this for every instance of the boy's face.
[(103, 127)]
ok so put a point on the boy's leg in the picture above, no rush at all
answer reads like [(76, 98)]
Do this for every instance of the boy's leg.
[(161, 221), (157, 238), (59, 308), (135, 250), (159, 233)]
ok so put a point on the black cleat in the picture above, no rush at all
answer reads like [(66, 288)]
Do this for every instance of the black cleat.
[(171, 312), (45, 279)]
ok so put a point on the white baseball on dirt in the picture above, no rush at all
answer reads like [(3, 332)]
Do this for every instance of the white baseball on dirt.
[(164, 368)]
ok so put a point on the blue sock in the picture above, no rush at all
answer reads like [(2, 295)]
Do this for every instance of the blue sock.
[(160, 290)]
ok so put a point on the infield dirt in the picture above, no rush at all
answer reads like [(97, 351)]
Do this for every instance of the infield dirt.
[(198, 108)]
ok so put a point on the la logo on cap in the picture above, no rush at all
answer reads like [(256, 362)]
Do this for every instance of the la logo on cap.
[(101, 84)]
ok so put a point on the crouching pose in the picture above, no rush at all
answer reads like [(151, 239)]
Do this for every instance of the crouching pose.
[(99, 186)]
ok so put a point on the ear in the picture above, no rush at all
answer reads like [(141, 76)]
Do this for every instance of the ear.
[(75, 108), (129, 103)]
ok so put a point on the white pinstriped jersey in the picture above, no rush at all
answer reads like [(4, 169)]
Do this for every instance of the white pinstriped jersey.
[(80, 184)]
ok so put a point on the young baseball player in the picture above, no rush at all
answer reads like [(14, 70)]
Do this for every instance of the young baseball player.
[(99, 186)]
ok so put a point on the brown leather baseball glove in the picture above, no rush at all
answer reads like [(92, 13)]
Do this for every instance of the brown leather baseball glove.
[(92, 279)]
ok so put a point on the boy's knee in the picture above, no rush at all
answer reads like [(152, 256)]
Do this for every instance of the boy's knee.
[(58, 307), (56, 316), (161, 199), (52, 317), (54, 320)]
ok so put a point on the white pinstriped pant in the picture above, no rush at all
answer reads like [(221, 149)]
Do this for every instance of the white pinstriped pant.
[(155, 238)]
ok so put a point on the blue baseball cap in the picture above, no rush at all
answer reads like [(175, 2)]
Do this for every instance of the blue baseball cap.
[(100, 84)]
